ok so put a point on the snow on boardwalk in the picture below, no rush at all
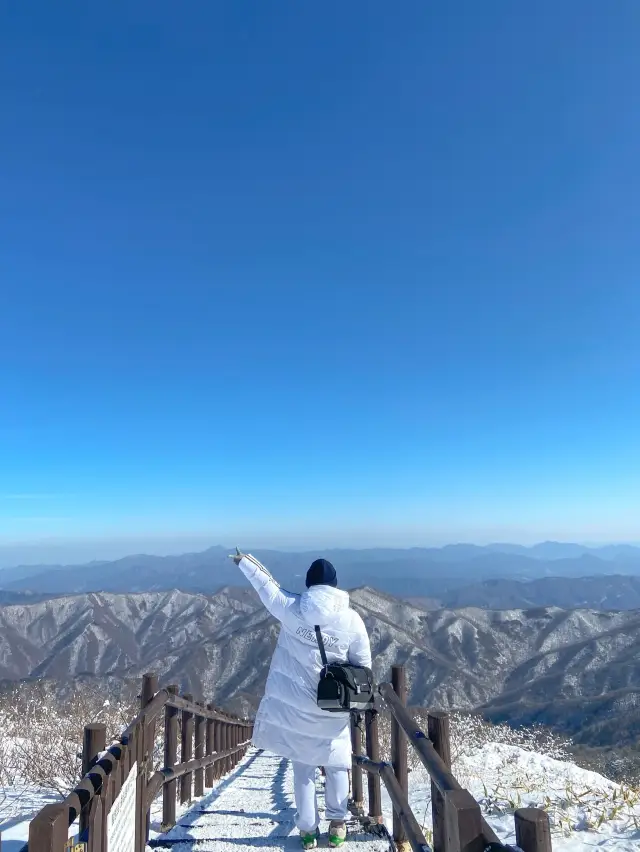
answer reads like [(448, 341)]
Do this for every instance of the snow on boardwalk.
[(250, 809)]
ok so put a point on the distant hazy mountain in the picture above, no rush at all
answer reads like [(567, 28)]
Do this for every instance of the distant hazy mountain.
[(60, 552), (9, 597), (602, 592), (578, 669), (425, 572)]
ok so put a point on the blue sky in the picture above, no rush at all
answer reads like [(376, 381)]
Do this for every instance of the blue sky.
[(337, 273)]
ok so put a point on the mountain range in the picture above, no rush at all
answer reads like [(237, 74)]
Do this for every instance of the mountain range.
[(578, 669), (602, 592), (452, 576)]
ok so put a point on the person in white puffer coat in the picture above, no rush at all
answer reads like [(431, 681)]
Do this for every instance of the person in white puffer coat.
[(289, 722)]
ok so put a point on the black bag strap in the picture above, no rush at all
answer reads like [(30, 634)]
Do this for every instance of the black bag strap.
[(320, 640)]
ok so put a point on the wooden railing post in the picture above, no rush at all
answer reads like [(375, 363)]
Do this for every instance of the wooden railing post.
[(217, 748), (357, 794), (463, 822), (198, 781), (145, 752), (170, 758), (209, 748), (230, 740), (49, 829), (373, 779), (94, 741), (186, 752), (224, 741), (399, 755), (149, 689), (96, 828), (224, 745), (533, 832), (438, 731)]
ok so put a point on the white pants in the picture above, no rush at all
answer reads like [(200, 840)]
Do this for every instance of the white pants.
[(336, 795)]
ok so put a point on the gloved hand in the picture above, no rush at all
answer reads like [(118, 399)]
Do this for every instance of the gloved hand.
[(237, 556)]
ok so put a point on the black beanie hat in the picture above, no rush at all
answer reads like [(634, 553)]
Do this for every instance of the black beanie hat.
[(322, 573)]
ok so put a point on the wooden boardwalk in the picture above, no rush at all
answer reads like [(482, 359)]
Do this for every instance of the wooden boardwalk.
[(253, 808)]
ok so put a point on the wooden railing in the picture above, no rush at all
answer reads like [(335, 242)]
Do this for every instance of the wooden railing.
[(119, 784), (457, 821), (113, 800)]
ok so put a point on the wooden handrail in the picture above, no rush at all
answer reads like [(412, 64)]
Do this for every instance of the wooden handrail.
[(431, 760), (458, 824), (163, 776), (415, 835), (182, 703), (439, 772), (106, 772), (148, 714), (91, 783)]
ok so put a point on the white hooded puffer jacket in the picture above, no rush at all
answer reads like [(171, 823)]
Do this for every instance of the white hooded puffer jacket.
[(289, 723)]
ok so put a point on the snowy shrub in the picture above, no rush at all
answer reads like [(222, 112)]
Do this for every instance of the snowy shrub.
[(575, 799), (43, 731), (8, 776), (469, 733)]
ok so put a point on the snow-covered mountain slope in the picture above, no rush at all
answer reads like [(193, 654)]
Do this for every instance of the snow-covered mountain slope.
[(579, 668)]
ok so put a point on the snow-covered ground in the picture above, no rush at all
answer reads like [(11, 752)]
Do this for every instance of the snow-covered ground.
[(586, 810), (255, 804), (18, 804)]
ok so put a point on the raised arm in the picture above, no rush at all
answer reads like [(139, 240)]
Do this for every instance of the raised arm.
[(360, 647), (275, 599)]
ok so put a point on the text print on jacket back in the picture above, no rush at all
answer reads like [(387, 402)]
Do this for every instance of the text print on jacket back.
[(310, 636)]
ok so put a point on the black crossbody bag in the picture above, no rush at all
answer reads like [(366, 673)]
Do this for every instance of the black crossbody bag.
[(343, 687)]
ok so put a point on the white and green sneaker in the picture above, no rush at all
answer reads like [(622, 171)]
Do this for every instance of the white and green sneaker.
[(337, 833), (309, 839)]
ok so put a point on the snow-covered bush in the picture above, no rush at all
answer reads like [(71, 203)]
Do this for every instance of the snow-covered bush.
[(469, 733), (42, 731)]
